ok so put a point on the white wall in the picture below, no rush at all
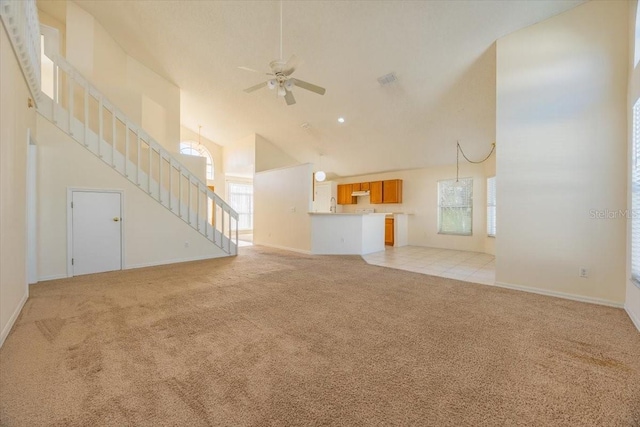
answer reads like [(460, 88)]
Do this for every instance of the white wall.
[(282, 200), (15, 120), (239, 158), (148, 99), (152, 234), (632, 301), (420, 201), (562, 152)]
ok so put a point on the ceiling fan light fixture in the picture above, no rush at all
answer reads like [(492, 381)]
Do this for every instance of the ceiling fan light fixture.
[(271, 84), (281, 91), (288, 85)]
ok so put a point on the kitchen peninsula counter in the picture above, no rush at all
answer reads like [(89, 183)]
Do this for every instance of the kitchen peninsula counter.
[(346, 233)]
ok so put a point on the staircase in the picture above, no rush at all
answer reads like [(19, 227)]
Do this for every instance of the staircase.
[(81, 111)]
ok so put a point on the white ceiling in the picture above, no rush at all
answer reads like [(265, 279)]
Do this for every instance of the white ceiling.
[(441, 51)]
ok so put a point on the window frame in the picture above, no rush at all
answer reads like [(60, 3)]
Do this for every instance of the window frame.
[(491, 203), (469, 206), (241, 182), (203, 152)]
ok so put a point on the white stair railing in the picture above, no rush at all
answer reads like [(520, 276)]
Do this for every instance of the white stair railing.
[(21, 21), (81, 111)]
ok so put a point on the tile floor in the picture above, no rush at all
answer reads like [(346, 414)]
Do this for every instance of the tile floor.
[(460, 265)]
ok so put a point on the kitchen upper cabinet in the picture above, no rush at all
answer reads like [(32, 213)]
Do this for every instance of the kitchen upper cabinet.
[(392, 191), (364, 186), (375, 192), (344, 195), (388, 231), (356, 186)]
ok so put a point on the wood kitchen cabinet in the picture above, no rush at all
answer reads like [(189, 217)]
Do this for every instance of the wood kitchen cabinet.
[(356, 186), (364, 186), (344, 195), (392, 191), (388, 231), (375, 192)]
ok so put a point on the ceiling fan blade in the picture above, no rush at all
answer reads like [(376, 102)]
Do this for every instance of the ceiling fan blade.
[(289, 98), (256, 87), (291, 65), (308, 86)]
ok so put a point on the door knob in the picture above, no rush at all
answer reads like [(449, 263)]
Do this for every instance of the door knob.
[(116, 219)]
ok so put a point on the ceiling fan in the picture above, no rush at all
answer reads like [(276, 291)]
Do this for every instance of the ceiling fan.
[(282, 80)]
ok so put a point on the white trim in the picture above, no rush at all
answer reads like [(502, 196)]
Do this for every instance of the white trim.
[(176, 261), (635, 320), (269, 245), (70, 191), (573, 297), (52, 277), (13, 318)]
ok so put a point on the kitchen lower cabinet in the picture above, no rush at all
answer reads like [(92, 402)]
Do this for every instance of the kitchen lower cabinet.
[(388, 231)]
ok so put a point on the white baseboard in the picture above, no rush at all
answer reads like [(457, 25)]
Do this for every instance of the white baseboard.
[(5, 331), (284, 248), (564, 295), (174, 261), (52, 277), (633, 317)]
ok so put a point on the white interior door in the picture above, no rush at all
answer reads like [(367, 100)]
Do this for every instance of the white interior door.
[(96, 232)]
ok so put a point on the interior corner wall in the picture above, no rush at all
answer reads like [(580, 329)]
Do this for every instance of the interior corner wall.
[(632, 301), (152, 234), (562, 154), (145, 97), (269, 156), (15, 121), (282, 202)]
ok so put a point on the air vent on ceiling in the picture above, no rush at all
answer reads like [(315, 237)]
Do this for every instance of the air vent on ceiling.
[(387, 79)]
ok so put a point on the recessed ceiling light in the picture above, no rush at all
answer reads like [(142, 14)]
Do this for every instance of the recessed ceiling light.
[(340, 119)]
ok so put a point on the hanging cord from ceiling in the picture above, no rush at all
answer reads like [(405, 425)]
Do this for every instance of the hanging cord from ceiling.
[(459, 150)]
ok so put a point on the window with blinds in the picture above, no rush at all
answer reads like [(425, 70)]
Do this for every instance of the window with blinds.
[(241, 200), (635, 197), (455, 206), (491, 206)]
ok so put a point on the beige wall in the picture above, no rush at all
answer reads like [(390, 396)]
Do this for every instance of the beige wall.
[(148, 99), (562, 152), (632, 301), (239, 158), (152, 234), (420, 201), (269, 156), (282, 200), (15, 120)]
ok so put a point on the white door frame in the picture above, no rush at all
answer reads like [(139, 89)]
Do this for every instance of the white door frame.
[(70, 191)]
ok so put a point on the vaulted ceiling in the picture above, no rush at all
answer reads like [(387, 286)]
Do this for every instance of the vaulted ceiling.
[(442, 52)]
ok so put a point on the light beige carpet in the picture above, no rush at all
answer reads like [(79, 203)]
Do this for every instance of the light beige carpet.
[(273, 338)]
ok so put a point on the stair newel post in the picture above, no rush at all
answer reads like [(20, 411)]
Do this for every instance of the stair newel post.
[(100, 127), (113, 137), (86, 115), (70, 103), (138, 158)]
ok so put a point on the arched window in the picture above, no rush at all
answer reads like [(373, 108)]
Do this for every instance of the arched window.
[(192, 148)]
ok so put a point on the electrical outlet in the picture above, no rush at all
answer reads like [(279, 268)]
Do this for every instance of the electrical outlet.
[(186, 244), (583, 272)]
